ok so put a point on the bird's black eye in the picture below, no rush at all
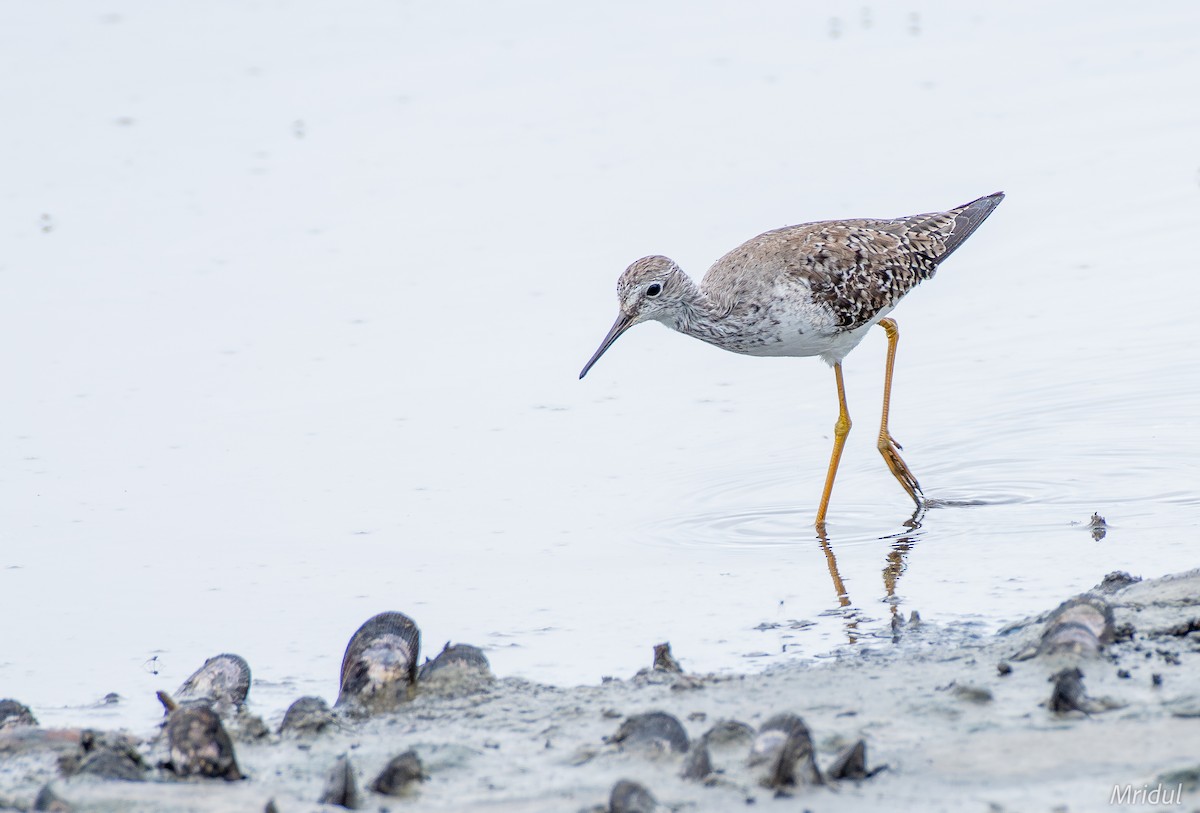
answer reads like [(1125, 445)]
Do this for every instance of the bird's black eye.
[(654, 290)]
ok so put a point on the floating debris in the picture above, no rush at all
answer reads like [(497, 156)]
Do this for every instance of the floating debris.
[(399, 775), (379, 669), (784, 745), (653, 731)]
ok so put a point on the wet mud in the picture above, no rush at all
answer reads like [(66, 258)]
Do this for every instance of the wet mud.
[(1053, 712)]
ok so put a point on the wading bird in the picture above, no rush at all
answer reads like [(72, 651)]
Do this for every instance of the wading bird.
[(808, 290)]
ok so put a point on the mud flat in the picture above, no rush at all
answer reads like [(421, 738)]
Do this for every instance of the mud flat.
[(1094, 703)]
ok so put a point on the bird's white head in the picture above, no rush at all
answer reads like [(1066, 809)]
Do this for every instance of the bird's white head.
[(651, 288)]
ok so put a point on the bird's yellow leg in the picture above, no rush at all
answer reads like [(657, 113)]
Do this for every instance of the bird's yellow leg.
[(840, 430), (887, 444)]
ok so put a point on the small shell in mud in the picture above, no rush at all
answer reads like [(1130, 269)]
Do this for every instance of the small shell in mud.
[(654, 731), (399, 775), (379, 669), (1079, 626), (105, 755), (14, 714), (784, 745), (223, 681), (458, 665), (630, 797), (664, 661), (699, 763), (342, 787), (307, 715), (728, 734), (851, 763), (199, 745), (715, 751)]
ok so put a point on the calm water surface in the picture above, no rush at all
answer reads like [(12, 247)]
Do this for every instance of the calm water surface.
[(301, 345)]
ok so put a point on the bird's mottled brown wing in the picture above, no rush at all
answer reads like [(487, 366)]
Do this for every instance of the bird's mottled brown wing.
[(857, 268)]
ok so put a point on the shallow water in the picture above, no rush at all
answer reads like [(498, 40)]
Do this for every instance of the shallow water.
[(293, 323)]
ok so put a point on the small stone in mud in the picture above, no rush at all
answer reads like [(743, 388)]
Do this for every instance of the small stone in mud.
[(457, 670), (1117, 580), (379, 669), (307, 715), (14, 714), (1156, 679), (630, 797), (342, 788), (223, 681), (972, 694), (664, 661), (653, 731), (199, 745), (399, 775), (1004, 668), (785, 746), (1068, 693)]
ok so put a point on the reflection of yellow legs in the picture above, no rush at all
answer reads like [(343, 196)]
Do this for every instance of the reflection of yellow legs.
[(840, 430), (887, 444)]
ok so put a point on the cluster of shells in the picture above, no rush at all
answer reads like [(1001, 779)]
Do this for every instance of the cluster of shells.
[(208, 713)]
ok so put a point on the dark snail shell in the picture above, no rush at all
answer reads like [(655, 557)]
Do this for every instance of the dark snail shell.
[(379, 669)]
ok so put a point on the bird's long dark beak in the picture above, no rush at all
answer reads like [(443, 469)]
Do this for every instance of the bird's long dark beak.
[(622, 324)]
